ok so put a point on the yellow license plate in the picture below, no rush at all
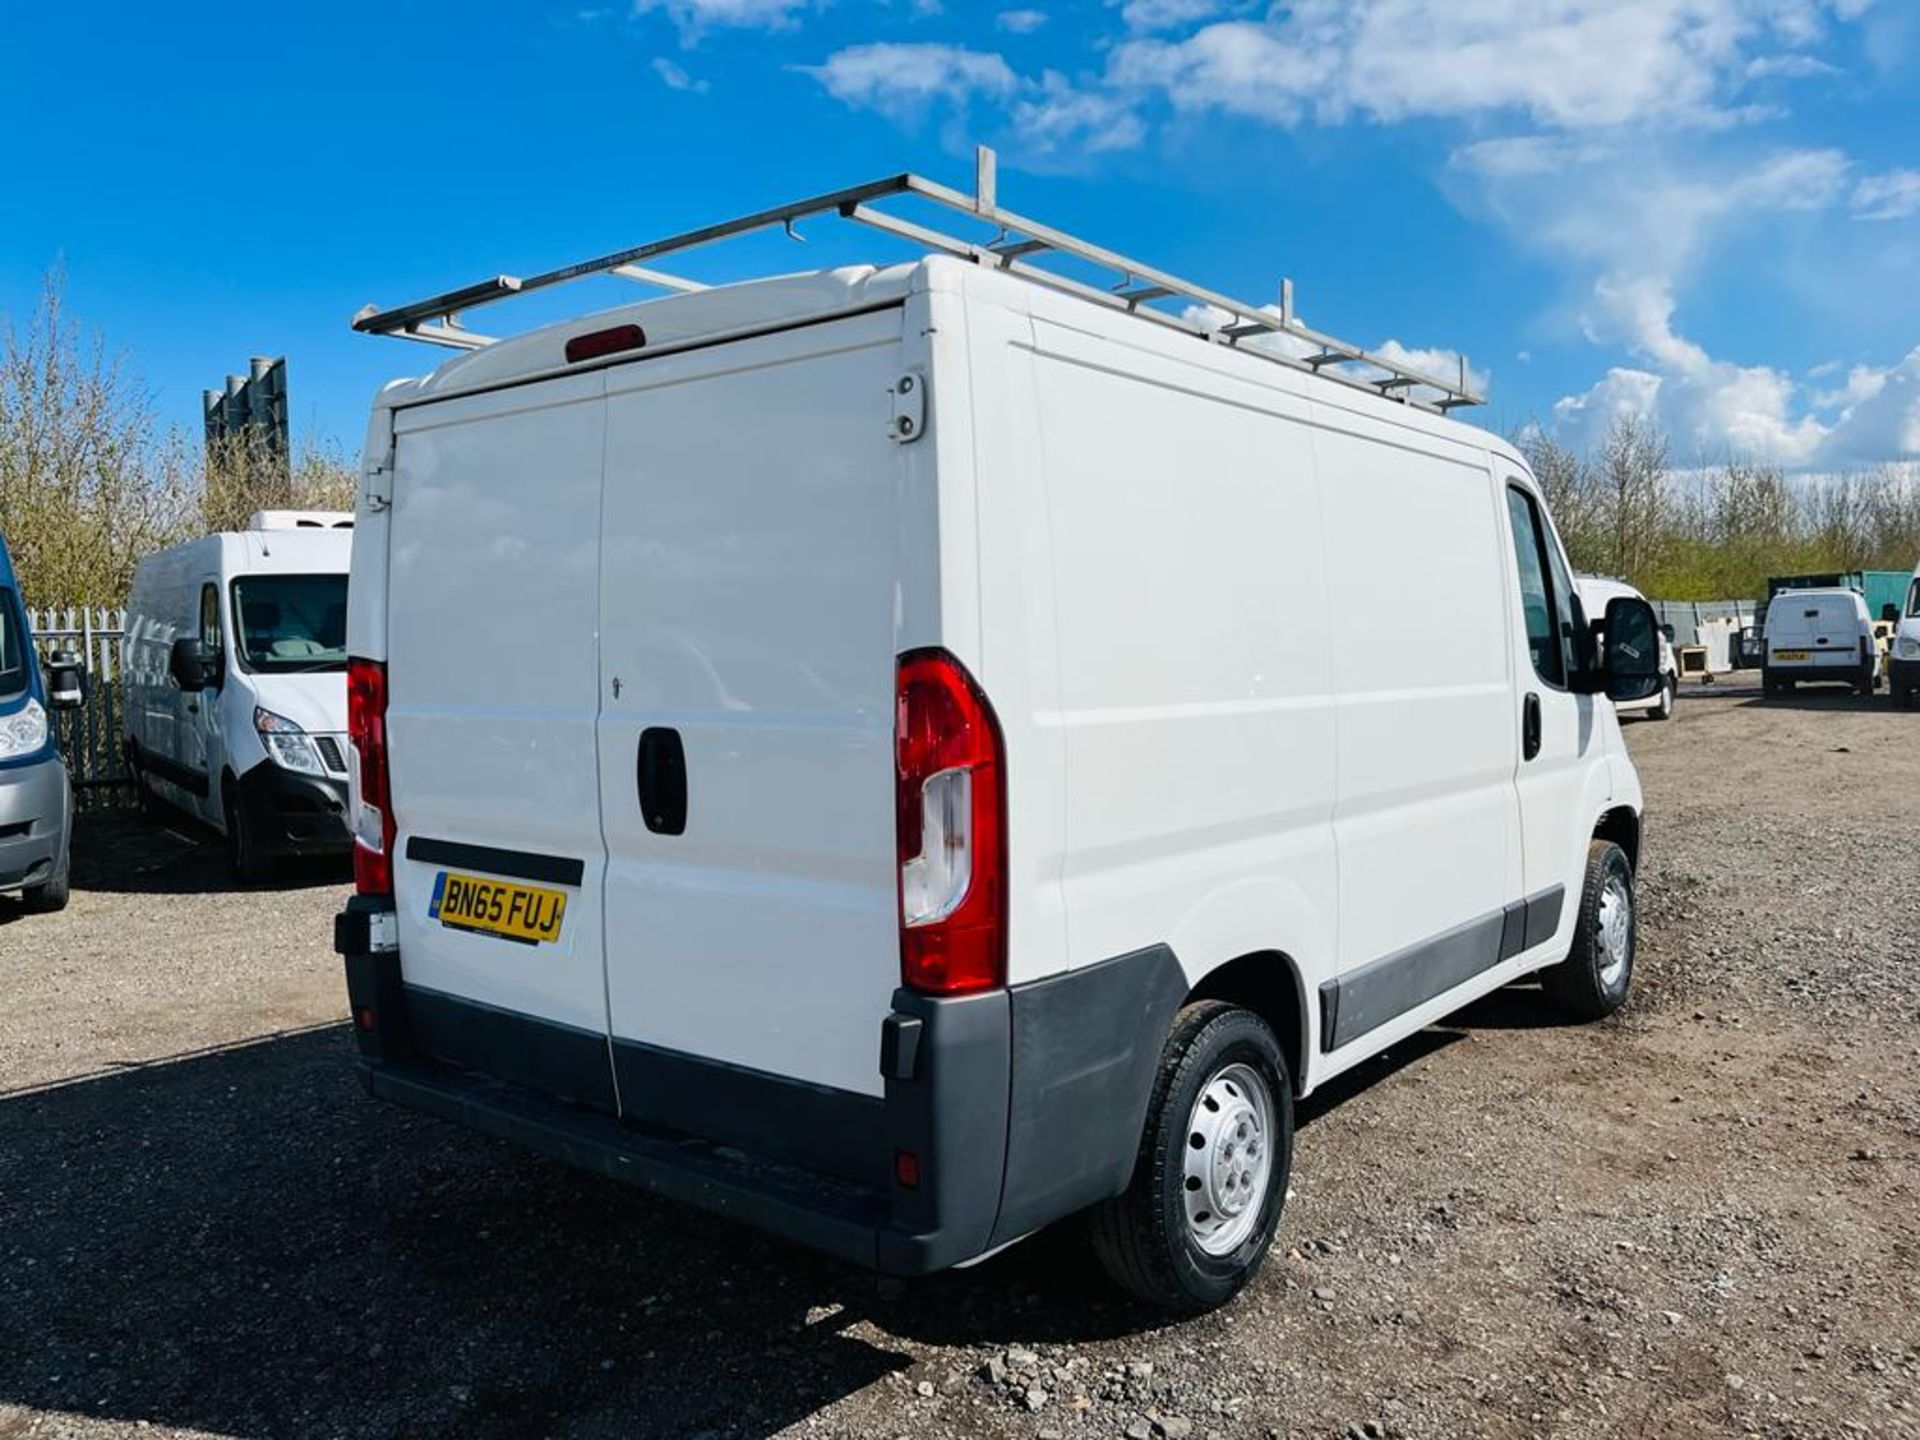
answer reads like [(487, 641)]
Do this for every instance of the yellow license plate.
[(528, 914), (1793, 654)]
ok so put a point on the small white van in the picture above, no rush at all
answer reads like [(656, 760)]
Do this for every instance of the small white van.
[(1903, 665), (234, 665), (1595, 591), (1819, 637), (876, 753)]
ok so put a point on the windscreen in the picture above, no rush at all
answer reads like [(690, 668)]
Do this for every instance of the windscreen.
[(13, 648), (284, 624)]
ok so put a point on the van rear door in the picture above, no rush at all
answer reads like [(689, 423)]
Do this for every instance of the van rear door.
[(749, 593), (493, 690), (1813, 630)]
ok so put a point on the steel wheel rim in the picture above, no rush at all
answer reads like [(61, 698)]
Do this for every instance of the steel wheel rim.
[(1613, 929), (1228, 1159)]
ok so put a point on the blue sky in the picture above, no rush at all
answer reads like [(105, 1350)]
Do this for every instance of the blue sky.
[(1706, 210)]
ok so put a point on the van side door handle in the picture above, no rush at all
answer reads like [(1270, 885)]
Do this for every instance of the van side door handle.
[(661, 772), (1530, 727)]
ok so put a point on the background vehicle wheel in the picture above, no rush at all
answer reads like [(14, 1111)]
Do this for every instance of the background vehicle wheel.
[(243, 852), (1211, 1176), (1669, 695), (46, 899), (1592, 982)]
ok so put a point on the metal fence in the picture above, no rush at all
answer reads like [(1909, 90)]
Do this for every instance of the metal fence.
[(90, 736), (1694, 620)]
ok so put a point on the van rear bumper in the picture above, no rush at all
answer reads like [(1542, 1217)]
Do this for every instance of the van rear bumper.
[(1014, 1108)]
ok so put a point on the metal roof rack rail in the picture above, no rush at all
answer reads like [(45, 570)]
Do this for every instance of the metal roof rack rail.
[(1014, 247)]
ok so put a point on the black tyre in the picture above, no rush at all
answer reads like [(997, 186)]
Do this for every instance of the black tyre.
[(48, 898), (243, 851), (1592, 982), (149, 804), (1866, 684), (1669, 697), (1211, 1177)]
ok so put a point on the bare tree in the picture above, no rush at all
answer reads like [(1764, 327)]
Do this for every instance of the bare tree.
[(87, 486), (1633, 465)]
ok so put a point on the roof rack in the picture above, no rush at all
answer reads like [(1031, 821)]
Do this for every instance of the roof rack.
[(1017, 246)]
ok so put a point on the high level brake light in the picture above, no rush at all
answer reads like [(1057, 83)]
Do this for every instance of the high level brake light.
[(950, 807), (373, 827)]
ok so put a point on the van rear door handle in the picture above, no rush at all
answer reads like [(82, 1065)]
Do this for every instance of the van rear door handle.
[(1530, 727), (661, 772)]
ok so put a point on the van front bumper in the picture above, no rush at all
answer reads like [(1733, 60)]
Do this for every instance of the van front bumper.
[(293, 814), (36, 810), (1002, 1111)]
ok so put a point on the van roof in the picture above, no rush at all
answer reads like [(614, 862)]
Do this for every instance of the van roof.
[(752, 307)]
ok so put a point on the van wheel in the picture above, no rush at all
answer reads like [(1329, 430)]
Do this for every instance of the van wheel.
[(1866, 684), (1669, 694), (48, 898), (1592, 982), (1211, 1177), (243, 853)]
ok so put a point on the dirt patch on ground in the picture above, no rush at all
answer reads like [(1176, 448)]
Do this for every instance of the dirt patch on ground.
[(1699, 1218)]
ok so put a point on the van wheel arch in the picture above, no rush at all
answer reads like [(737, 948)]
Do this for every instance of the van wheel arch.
[(1267, 982), (1622, 826)]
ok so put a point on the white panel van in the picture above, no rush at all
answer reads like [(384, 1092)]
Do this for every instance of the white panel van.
[(235, 695), (876, 754), (1820, 636), (1903, 664)]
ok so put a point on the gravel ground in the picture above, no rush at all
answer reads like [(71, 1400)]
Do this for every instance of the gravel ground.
[(1698, 1218)]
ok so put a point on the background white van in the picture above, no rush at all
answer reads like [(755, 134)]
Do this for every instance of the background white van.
[(1822, 636), (1595, 592), (1903, 665), (234, 666)]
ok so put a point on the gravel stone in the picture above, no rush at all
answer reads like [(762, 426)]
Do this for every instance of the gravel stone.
[(206, 1227)]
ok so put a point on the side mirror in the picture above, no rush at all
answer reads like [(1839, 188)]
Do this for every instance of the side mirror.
[(1631, 650), (1890, 613), (66, 681), (192, 666)]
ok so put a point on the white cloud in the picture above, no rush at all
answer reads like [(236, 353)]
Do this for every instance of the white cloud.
[(1057, 118), (1145, 15), (1892, 196), (1568, 64), (1882, 418), (695, 17), (1788, 67), (1020, 22), (1712, 407), (902, 80), (675, 77)]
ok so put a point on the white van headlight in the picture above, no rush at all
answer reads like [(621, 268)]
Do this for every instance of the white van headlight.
[(23, 732), (1907, 647), (288, 746)]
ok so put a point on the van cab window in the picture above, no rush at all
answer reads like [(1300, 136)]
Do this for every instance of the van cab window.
[(1913, 599), (286, 623), (1546, 593), (13, 648)]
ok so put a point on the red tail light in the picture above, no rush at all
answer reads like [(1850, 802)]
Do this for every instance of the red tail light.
[(951, 814), (373, 812)]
